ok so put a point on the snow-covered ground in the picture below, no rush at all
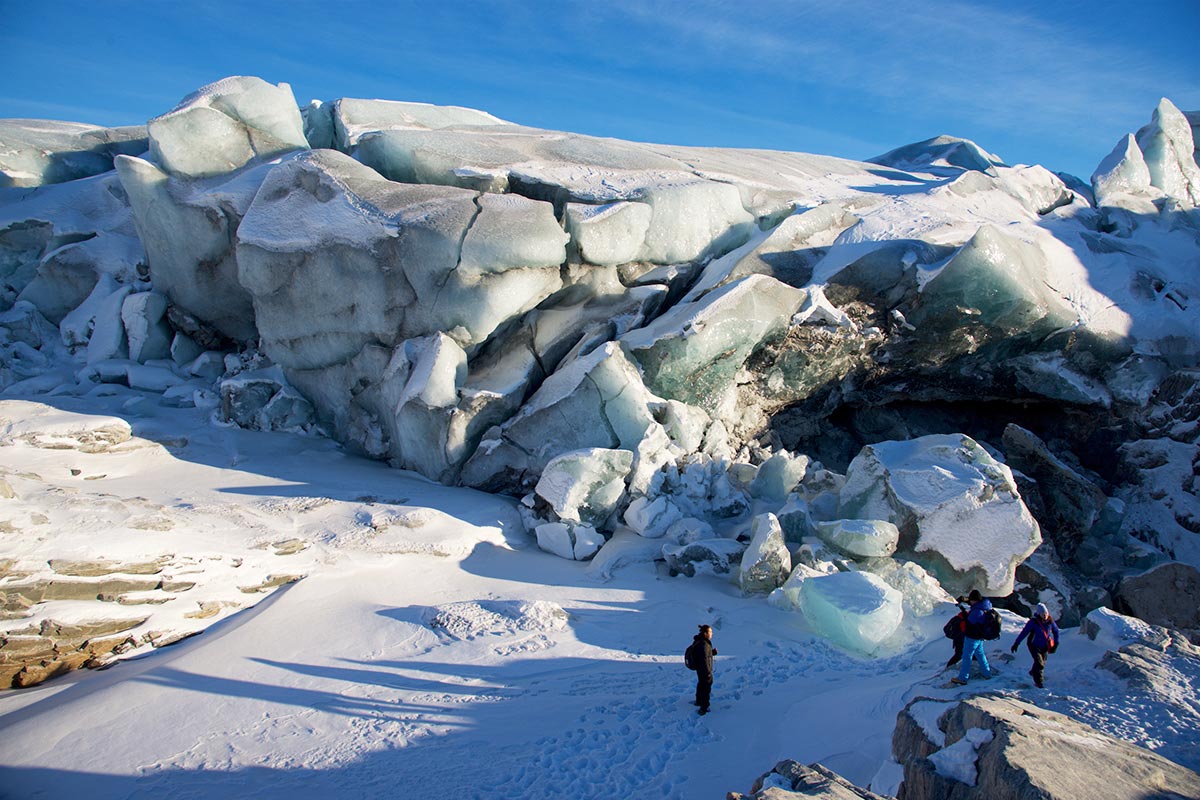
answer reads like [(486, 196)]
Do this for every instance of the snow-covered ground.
[(431, 649)]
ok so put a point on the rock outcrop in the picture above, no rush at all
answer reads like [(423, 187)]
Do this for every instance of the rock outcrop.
[(790, 779), (1164, 595), (998, 747)]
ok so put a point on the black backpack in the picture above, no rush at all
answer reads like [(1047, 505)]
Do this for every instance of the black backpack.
[(954, 628), (991, 624), (689, 657)]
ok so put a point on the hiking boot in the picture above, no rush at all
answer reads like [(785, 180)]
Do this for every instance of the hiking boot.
[(958, 681), (703, 711), (1038, 683)]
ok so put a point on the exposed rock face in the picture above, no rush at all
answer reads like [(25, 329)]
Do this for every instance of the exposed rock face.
[(1162, 669), (791, 779), (1164, 595), (1022, 751), (1071, 502)]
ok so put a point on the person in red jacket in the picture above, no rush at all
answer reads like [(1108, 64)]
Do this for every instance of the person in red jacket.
[(1043, 639), (955, 629)]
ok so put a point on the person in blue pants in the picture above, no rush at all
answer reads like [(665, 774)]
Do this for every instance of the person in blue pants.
[(973, 638)]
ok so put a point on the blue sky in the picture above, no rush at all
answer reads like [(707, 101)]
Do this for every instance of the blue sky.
[(1055, 83)]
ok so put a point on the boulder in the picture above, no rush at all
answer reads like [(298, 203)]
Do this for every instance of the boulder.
[(568, 540), (146, 329), (584, 486), (1160, 667), (957, 508), (1164, 595), (1117, 630), (1003, 747), (856, 610), (263, 400), (778, 476), (653, 518), (766, 563), (703, 557), (789, 779), (860, 538)]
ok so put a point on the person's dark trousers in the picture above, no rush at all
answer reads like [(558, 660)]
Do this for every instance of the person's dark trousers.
[(1039, 664), (703, 690), (957, 657)]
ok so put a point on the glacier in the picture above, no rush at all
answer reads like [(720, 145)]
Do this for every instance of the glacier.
[(702, 356)]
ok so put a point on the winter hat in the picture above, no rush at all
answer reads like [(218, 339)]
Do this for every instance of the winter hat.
[(1040, 610)]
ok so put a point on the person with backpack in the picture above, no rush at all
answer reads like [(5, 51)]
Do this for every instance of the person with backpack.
[(699, 656), (955, 628), (983, 623), (1043, 639)]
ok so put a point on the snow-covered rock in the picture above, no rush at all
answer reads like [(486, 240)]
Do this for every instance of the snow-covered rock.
[(955, 506), (704, 557), (1004, 744), (789, 780), (1116, 630)]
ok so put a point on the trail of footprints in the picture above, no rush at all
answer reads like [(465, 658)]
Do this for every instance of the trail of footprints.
[(621, 748)]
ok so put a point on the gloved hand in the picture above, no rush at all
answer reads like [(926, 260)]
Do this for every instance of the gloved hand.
[(1013, 649)]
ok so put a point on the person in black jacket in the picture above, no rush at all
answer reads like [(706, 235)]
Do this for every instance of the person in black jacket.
[(700, 653)]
